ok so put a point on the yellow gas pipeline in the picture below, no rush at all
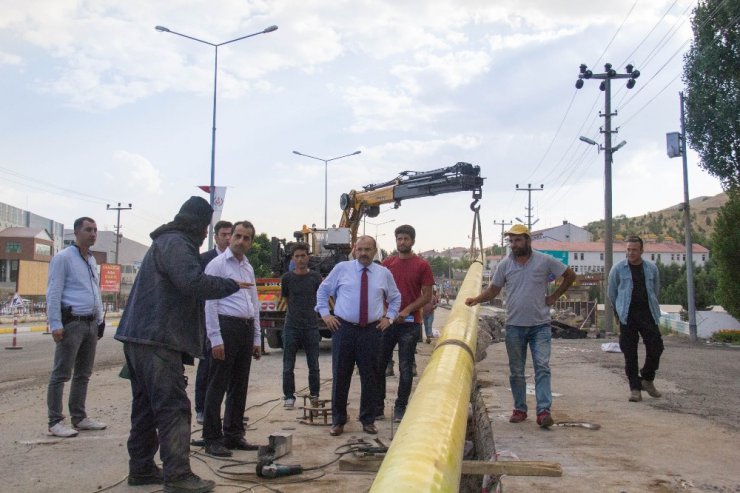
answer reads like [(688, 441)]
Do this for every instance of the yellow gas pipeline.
[(427, 451)]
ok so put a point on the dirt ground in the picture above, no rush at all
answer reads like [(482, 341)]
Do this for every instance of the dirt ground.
[(686, 441)]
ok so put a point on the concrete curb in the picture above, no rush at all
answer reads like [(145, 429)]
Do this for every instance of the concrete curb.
[(37, 328)]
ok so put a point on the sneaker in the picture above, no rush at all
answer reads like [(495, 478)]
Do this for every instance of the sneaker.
[(635, 396), (189, 484), (90, 424), (154, 476), (398, 415), (289, 402), (544, 419), (199, 418), (314, 400), (59, 430), (649, 387), (517, 416), (429, 340)]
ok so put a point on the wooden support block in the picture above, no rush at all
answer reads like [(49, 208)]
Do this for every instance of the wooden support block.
[(512, 468), (472, 467), (366, 464)]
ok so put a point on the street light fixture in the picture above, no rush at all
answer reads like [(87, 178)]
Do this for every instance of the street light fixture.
[(326, 174), (376, 227), (215, 83)]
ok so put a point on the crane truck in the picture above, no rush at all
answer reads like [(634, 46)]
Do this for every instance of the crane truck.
[(330, 246)]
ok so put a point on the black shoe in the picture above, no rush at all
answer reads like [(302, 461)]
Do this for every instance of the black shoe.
[(154, 476), (189, 484), (398, 415), (217, 450), (240, 444)]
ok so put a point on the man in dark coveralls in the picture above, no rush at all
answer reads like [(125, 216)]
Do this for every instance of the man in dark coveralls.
[(162, 328)]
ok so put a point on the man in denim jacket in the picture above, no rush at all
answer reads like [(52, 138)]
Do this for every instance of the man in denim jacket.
[(634, 285)]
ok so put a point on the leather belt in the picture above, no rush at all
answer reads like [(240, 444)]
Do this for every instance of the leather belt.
[(82, 318), (358, 325), (237, 319)]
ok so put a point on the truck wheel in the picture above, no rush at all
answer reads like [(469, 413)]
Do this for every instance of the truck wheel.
[(274, 338)]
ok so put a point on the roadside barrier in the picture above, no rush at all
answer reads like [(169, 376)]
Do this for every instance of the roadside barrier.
[(15, 333), (427, 452)]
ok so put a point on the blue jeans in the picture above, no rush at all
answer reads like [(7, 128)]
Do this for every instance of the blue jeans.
[(538, 338), (428, 321), (309, 339)]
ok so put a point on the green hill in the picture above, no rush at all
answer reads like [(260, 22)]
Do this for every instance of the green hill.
[(667, 224)]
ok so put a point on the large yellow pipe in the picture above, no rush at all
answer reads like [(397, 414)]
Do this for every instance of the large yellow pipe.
[(426, 453)]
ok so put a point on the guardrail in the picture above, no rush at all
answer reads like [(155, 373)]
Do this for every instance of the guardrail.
[(427, 452)]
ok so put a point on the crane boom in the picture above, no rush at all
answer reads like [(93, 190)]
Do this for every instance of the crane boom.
[(407, 185)]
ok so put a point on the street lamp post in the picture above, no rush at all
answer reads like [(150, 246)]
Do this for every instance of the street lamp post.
[(376, 227), (326, 176), (215, 85)]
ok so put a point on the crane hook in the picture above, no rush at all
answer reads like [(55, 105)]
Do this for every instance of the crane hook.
[(474, 206)]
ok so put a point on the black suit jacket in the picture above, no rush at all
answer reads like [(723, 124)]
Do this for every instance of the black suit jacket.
[(206, 257)]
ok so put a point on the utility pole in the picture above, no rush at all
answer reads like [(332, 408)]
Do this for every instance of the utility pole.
[(503, 224), (529, 191), (606, 77), (676, 143), (118, 210)]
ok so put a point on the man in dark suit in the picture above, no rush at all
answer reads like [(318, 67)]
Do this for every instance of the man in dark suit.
[(221, 237)]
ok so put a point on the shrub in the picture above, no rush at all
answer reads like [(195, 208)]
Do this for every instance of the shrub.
[(731, 336)]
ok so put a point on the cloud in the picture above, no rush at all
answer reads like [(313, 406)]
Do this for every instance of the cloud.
[(383, 110), (454, 69), (139, 172), (10, 59)]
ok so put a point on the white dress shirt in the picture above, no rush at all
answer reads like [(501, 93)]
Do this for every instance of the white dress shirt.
[(243, 304)]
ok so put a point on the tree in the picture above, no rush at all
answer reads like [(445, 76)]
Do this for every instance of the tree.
[(726, 255), (259, 256), (712, 77)]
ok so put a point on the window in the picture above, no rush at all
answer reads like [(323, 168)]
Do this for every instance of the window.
[(601, 256), (13, 271), (658, 256), (43, 249), (575, 256), (652, 256), (673, 257), (581, 256), (575, 268), (684, 257), (703, 257), (12, 247)]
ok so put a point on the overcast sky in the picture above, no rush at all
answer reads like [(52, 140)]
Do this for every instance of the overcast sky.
[(98, 107)]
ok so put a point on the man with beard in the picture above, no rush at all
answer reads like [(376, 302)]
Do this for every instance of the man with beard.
[(162, 329), (359, 288), (525, 274), (414, 279)]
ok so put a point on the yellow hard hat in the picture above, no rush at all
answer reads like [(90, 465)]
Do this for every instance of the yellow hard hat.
[(518, 229)]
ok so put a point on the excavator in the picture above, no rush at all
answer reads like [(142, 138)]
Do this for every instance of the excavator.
[(330, 246)]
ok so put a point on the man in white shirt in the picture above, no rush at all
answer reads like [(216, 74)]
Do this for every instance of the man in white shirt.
[(233, 329)]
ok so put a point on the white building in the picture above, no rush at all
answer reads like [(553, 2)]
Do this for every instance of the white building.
[(566, 232), (588, 257)]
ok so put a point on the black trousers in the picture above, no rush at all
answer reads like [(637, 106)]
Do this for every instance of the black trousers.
[(201, 378), (160, 411), (629, 338), (229, 377), (351, 345)]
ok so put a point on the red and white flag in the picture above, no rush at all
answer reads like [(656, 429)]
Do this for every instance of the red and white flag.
[(219, 195)]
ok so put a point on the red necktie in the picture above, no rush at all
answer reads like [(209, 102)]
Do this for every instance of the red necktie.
[(363, 298)]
